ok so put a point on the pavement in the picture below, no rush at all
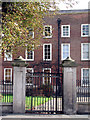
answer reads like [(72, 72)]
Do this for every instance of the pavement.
[(43, 117)]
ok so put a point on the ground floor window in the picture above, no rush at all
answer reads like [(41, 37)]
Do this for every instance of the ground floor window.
[(85, 76), (85, 51), (46, 75), (7, 75), (29, 73)]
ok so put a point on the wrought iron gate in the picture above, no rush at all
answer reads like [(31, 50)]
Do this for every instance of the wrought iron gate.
[(44, 92)]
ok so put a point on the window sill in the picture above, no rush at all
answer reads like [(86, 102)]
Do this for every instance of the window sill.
[(85, 85), (85, 36), (7, 60), (8, 83), (65, 36), (47, 37), (29, 60), (85, 60)]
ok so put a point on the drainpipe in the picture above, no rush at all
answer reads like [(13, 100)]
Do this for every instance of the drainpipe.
[(59, 21)]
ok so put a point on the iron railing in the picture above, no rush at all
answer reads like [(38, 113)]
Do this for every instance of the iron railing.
[(6, 92), (83, 92), (44, 92)]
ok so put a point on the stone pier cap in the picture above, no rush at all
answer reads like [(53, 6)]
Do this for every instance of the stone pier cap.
[(69, 62), (19, 62)]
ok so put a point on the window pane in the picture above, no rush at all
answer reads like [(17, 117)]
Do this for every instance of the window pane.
[(85, 30), (31, 32), (85, 76), (85, 47), (47, 31), (47, 52), (46, 76), (7, 76), (85, 55), (85, 51), (65, 51), (7, 56), (65, 30), (29, 72), (30, 54)]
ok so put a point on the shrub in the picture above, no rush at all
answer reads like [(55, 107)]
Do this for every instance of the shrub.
[(47, 90)]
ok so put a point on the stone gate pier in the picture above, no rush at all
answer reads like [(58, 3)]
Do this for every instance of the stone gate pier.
[(69, 86)]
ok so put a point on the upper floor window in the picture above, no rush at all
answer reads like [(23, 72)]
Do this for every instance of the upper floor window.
[(47, 52), (65, 31), (85, 51), (8, 55), (65, 51), (30, 54), (31, 32), (0, 48), (85, 30), (47, 31), (7, 75), (85, 76)]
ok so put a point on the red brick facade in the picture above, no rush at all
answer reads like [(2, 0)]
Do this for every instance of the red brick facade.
[(72, 18)]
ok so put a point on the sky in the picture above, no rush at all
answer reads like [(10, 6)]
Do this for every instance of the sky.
[(82, 4)]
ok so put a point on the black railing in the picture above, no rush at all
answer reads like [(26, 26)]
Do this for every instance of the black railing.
[(6, 92), (83, 92), (44, 92)]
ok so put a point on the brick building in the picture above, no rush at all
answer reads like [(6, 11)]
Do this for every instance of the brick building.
[(74, 42)]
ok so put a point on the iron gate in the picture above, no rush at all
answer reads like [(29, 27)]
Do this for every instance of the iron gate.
[(44, 92)]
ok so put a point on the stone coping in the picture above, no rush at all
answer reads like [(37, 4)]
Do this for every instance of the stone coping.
[(83, 103), (19, 62), (2, 104), (69, 62)]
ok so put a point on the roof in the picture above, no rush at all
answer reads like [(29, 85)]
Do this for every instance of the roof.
[(74, 11)]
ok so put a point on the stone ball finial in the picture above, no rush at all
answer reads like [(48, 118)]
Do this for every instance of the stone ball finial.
[(19, 58), (19, 62), (69, 62), (69, 59)]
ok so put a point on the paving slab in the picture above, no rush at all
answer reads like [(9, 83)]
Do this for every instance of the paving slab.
[(43, 117)]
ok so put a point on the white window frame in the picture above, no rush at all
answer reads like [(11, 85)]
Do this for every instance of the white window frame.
[(62, 50), (7, 58), (5, 76), (26, 55), (82, 51), (0, 49), (33, 35), (43, 74), (50, 52), (82, 30), (62, 31), (32, 32), (82, 77), (32, 72), (50, 31)]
